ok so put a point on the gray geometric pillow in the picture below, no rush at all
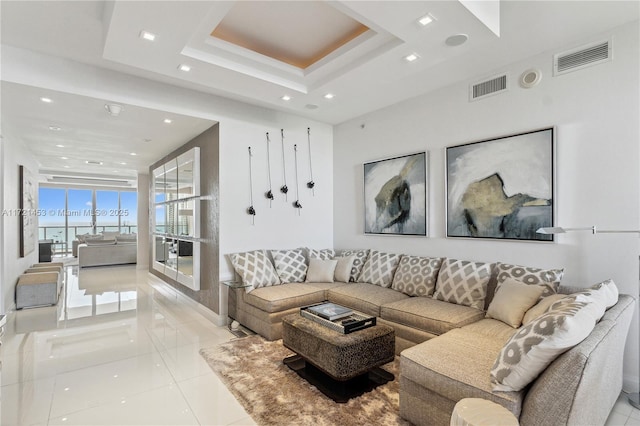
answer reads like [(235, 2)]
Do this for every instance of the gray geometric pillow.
[(324, 254), (416, 276), (550, 278), (380, 268), (255, 268), (358, 262), (463, 282), (291, 265)]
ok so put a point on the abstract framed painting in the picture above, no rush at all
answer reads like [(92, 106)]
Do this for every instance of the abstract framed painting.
[(395, 195), (502, 188)]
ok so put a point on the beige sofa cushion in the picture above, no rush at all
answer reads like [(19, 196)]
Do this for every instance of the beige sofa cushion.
[(363, 297), (456, 365), (282, 297), (433, 316)]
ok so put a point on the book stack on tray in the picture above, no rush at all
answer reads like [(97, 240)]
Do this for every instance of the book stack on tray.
[(338, 318)]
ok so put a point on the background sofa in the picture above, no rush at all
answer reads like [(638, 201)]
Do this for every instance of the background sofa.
[(447, 348), (102, 252)]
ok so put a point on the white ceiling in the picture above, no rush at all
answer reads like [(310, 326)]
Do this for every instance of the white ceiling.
[(366, 74)]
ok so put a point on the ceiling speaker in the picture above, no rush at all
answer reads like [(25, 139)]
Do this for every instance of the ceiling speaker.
[(530, 78)]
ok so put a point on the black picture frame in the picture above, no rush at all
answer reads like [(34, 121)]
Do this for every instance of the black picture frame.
[(396, 195), (502, 188)]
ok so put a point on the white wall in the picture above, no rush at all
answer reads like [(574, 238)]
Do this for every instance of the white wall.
[(14, 155), (143, 221), (595, 111)]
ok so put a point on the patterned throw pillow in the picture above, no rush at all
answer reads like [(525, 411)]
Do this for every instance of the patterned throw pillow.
[(536, 345), (463, 282), (255, 268), (380, 268), (547, 277), (291, 265), (416, 276), (324, 254), (358, 262)]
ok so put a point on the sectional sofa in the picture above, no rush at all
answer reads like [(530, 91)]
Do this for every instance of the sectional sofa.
[(458, 325)]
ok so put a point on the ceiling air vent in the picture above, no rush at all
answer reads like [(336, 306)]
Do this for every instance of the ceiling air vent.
[(489, 87), (582, 57)]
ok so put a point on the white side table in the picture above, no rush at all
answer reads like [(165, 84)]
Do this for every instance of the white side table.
[(481, 412)]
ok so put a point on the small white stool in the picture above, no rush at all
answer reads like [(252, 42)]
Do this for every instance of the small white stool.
[(481, 412)]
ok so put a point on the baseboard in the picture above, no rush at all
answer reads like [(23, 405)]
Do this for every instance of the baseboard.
[(630, 384)]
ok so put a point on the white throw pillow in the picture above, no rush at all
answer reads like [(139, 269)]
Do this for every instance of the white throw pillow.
[(343, 268), (255, 269), (361, 257), (321, 271), (512, 300), (528, 352)]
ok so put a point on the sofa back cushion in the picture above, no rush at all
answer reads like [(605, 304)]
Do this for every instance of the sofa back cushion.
[(360, 258), (126, 238), (416, 276), (291, 265), (463, 282), (380, 268), (100, 242), (255, 269)]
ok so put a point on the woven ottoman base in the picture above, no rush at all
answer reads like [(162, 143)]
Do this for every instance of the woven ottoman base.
[(37, 289), (341, 356)]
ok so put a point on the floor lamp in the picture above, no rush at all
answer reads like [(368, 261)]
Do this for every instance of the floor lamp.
[(634, 398)]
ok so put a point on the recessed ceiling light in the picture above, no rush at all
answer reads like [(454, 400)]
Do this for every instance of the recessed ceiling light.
[(64, 158), (60, 146), (46, 100), (113, 109), (286, 98), (66, 167), (132, 153), (146, 35), (184, 67), (411, 57), (167, 121), (329, 96), (55, 128), (123, 164), (94, 162), (456, 40), (116, 171), (426, 20)]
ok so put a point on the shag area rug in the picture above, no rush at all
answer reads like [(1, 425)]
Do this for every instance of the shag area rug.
[(272, 394)]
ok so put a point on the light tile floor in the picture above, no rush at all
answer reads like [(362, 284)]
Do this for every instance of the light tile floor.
[(120, 349)]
